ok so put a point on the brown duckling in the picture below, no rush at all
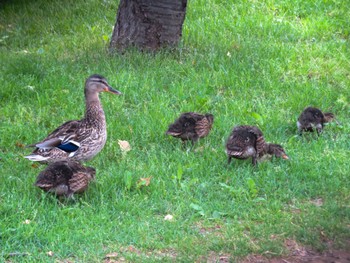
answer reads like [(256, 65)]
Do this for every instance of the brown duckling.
[(248, 141), (271, 149), (313, 119), (65, 178), (191, 126)]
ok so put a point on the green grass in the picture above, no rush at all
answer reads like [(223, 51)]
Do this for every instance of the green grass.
[(247, 62)]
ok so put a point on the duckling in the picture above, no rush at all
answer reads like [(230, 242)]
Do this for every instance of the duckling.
[(271, 149), (78, 140), (313, 119), (191, 126), (248, 141), (65, 178)]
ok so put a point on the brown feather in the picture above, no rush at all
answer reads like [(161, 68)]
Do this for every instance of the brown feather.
[(248, 142), (64, 178), (191, 126), (89, 133), (313, 119)]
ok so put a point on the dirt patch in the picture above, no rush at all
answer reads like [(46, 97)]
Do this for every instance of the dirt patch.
[(301, 254), (215, 230), (121, 255), (214, 257)]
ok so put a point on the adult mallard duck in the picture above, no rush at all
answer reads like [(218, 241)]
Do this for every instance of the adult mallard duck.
[(248, 142), (78, 140), (191, 126), (313, 119), (65, 178)]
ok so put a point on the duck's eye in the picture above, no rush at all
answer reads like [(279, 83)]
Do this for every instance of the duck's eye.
[(247, 139)]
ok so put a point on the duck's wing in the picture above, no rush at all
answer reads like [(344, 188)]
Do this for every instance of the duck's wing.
[(82, 175), (45, 181), (245, 141), (234, 149), (203, 127), (237, 144), (260, 140), (311, 116), (306, 118), (79, 182), (184, 124), (54, 175), (64, 137)]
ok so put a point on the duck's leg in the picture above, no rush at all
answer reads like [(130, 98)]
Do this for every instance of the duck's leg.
[(254, 160), (183, 144), (69, 193), (319, 130), (192, 144), (59, 190), (193, 141), (229, 160)]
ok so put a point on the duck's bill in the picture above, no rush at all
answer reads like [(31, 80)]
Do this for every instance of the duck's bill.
[(285, 156), (114, 91)]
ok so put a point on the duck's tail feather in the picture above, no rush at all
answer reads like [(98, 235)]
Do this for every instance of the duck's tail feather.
[(36, 158)]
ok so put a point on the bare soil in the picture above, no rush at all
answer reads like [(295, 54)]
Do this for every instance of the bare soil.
[(300, 254), (297, 254)]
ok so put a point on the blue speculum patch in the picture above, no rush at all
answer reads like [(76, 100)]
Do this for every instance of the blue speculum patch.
[(68, 147)]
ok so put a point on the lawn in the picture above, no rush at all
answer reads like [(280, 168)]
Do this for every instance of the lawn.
[(246, 62)]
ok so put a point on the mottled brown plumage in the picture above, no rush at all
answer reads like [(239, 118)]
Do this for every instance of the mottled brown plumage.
[(271, 149), (248, 142), (191, 126), (65, 178), (78, 140), (313, 119)]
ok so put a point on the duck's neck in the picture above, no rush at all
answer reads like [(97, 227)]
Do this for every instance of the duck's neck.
[(266, 149), (94, 112)]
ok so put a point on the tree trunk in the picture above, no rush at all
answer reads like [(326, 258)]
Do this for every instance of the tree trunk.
[(148, 24)]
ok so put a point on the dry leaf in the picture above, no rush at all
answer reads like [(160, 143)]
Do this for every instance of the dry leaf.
[(144, 182), (50, 253), (124, 146), (27, 222), (133, 249), (317, 202), (20, 145), (112, 255), (168, 217), (35, 165), (64, 261), (199, 149)]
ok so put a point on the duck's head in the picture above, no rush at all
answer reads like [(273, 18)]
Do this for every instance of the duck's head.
[(210, 118), (97, 83), (276, 150), (328, 116), (91, 172)]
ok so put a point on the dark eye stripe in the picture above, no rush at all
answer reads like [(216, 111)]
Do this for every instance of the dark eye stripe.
[(100, 81)]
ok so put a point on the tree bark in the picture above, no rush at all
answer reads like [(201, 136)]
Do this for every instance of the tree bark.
[(148, 24)]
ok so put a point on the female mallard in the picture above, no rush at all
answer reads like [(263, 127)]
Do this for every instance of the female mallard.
[(65, 178), (78, 140), (191, 126), (248, 141), (312, 118)]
